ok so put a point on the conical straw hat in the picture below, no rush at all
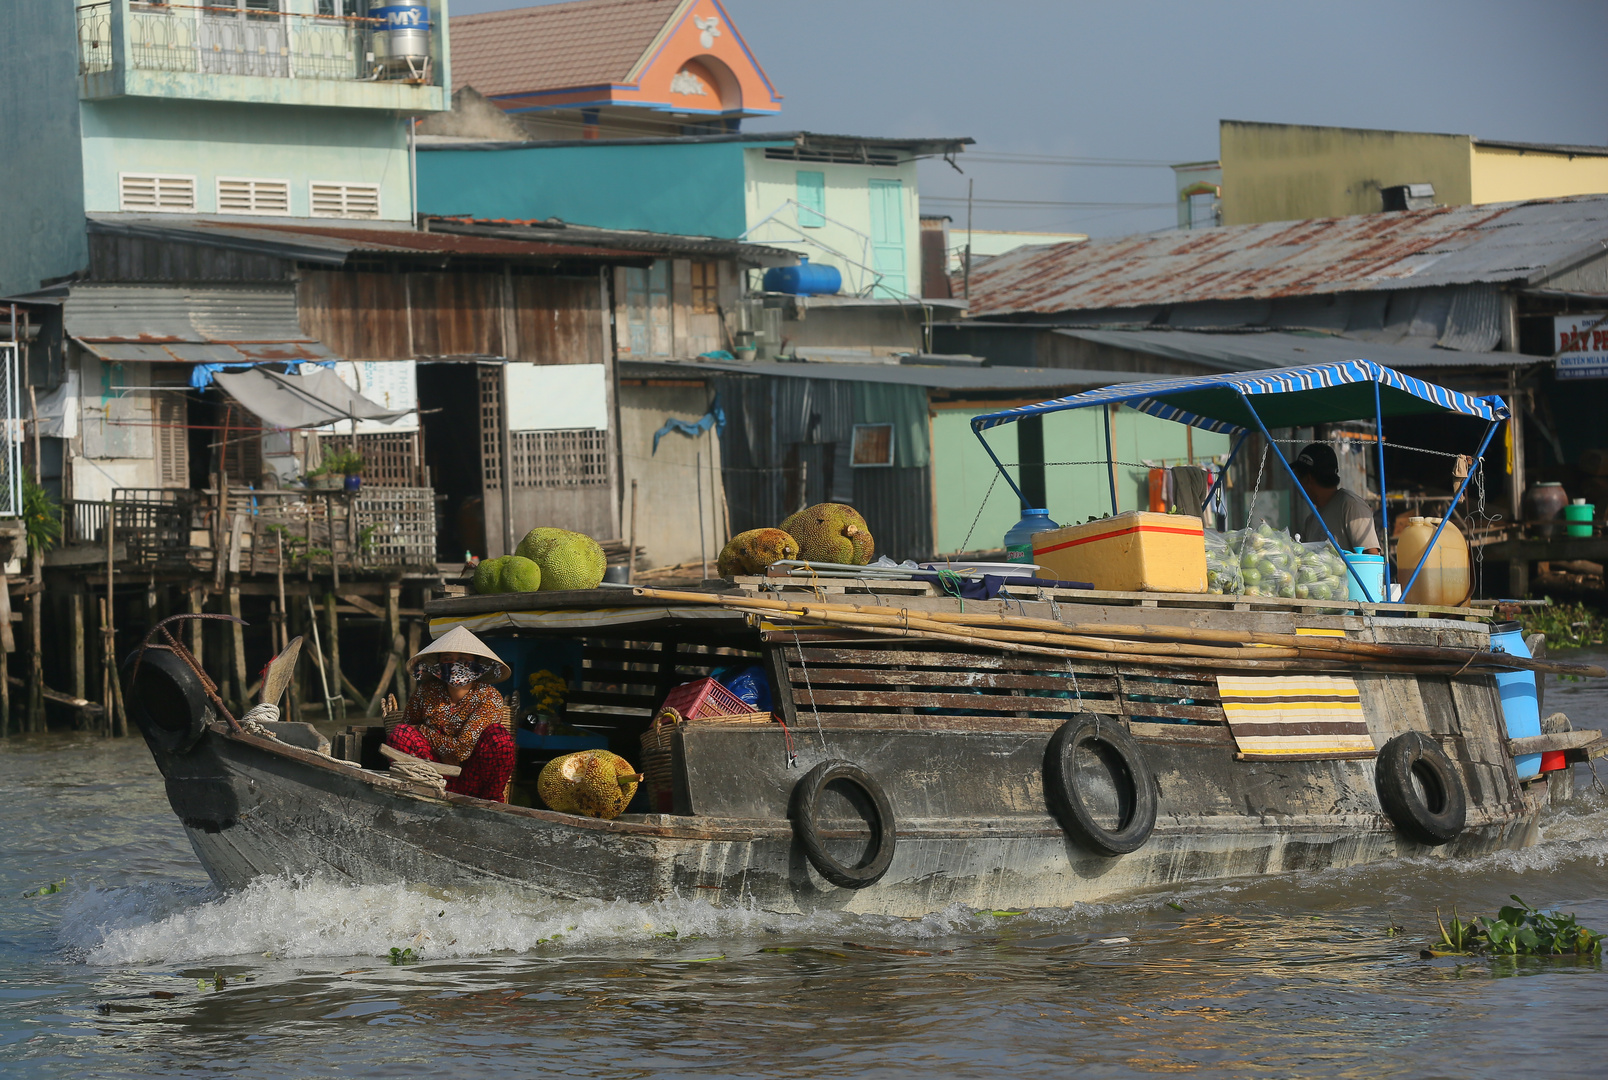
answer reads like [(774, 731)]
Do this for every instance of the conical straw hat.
[(460, 642)]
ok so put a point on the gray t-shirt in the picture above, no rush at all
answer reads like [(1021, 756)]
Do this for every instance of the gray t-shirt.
[(1348, 517)]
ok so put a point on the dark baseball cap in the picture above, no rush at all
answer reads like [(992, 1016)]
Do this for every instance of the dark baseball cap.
[(1319, 459)]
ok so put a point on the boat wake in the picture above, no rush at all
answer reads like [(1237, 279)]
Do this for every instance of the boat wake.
[(316, 918)]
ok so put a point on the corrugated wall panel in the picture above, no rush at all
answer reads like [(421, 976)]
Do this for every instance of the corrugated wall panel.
[(897, 504)]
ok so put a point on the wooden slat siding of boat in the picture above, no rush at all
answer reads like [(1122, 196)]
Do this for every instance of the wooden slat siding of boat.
[(1481, 724), (852, 688)]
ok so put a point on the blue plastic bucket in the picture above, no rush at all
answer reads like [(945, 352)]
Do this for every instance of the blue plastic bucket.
[(1371, 569), (1520, 709)]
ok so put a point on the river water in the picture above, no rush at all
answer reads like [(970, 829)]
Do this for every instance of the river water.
[(138, 968)]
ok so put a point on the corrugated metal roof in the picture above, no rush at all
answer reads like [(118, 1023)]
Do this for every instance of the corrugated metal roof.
[(1504, 242), (261, 318), (806, 141), (333, 244), (1251, 351), (937, 378)]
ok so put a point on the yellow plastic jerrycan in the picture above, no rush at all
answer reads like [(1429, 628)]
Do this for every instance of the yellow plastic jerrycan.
[(1446, 579)]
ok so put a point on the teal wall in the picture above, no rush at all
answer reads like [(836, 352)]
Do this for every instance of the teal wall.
[(695, 189), (41, 171), (209, 139)]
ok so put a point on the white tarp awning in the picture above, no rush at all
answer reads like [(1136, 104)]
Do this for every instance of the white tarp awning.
[(313, 399)]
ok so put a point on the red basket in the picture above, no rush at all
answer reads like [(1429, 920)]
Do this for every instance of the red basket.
[(704, 698)]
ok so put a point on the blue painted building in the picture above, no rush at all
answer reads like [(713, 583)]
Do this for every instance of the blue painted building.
[(845, 201), (251, 108)]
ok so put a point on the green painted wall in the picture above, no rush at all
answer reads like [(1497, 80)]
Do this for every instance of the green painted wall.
[(209, 139), (843, 239), (963, 477), (41, 170), (1074, 492)]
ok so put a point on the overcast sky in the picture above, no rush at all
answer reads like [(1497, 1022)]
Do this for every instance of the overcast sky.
[(1140, 81)]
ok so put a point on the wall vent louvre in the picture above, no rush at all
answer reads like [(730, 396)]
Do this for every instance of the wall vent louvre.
[(156, 193), (345, 200), (242, 196)]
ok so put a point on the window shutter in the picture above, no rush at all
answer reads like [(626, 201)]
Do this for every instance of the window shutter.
[(345, 200), (156, 193), (811, 199), (172, 439), (237, 196)]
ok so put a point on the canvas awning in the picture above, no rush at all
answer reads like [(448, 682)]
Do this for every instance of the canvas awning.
[(316, 399), (1288, 397)]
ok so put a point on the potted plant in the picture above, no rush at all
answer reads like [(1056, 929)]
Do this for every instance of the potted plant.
[(338, 464)]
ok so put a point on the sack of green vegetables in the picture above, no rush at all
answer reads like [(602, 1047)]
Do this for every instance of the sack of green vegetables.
[(1270, 562)]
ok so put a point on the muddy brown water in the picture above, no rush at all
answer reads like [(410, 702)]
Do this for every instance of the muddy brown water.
[(1281, 976)]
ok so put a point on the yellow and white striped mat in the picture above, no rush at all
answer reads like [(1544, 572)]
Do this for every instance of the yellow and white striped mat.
[(1295, 717)]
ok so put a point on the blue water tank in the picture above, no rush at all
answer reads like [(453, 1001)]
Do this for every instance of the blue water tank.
[(1019, 540), (1520, 708), (805, 279)]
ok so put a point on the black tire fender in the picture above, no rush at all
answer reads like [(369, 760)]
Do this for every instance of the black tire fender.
[(802, 810), (1435, 809), (1135, 785), (166, 700)]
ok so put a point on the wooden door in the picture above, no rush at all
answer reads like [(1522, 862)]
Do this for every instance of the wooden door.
[(888, 237)]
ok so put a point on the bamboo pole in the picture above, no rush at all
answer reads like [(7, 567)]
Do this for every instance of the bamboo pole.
[(1048, 631), (237, 650)]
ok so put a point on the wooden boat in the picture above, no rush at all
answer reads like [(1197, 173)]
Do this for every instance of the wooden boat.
[(1040, 748), (950, 743)]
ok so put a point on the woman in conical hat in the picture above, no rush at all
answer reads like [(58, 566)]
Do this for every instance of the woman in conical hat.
[(456, 715)]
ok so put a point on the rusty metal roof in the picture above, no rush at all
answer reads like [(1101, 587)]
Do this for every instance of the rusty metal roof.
[(1523, 242), (305, 241), (636, 240)]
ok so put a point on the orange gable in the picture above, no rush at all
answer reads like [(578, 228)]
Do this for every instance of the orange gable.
[(665, 55)]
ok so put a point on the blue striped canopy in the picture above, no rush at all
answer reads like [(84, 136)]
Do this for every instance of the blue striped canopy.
[(1289, 397)]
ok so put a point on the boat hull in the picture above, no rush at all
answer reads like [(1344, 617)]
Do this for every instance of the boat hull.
[(255, 808)]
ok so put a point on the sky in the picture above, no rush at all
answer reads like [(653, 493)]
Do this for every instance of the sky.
[(1128, 88)]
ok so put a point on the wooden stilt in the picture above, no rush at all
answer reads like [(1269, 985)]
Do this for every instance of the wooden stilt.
[(80, 648), (8, 645), (198, 599), (393, 629), (238, 649), (336, 679), (36, 654), (412, 649)]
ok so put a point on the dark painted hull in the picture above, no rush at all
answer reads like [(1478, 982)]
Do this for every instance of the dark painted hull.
[(254, 807)]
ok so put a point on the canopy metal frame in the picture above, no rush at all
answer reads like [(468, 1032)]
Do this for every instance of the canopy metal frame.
[(1493, 407)]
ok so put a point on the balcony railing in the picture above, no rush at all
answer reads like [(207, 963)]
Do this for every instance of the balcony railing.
[(219, 40)]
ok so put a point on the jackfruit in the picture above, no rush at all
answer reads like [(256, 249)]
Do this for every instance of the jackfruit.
[(537, 541), (489, 575), (519, 574), (593, 783), (832, 532), (750, 552), (568, 560)]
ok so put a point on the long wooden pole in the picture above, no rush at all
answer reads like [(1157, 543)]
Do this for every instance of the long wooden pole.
[(1048, 631)]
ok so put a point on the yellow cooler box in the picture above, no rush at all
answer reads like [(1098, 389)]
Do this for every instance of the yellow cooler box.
[(1132, 552)]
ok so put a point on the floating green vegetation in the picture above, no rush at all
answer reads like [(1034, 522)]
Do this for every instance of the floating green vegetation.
[(402, 956), (49, 889), (217, 982), (1567, 626), (1002, 914), (1516, 931)]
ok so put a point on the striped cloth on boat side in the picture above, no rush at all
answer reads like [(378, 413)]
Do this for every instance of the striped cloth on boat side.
[(1295, 717)]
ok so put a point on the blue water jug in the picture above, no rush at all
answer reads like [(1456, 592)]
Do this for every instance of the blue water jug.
[(1520, 709), (1019, 541)]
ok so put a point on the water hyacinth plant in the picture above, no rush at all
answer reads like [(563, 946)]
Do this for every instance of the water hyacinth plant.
[(1516, 931)]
